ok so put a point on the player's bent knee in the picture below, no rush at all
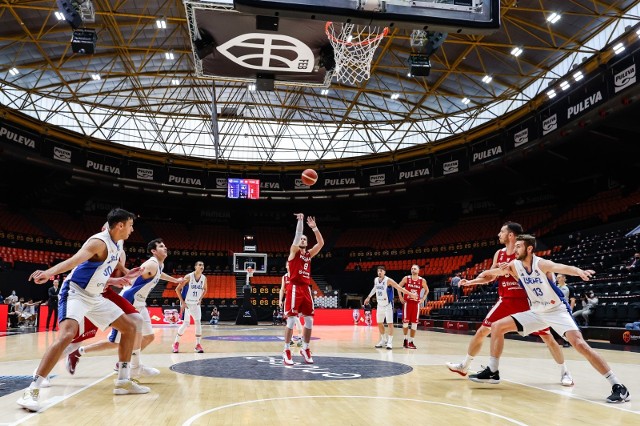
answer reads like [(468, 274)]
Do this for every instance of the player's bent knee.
[(308, 322), (405, 325)]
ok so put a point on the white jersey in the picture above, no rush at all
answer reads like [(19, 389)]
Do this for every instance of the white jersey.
[(139, 290), (544, 295), (192, 292), (92, 276), (381, 291)]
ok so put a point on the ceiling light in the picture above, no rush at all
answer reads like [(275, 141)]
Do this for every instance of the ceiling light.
[(618, 48), (14, 71), (96, 77), (577, 76), (465, 100), (487, 79), (638, 32), (551, 94), (395, 96), (59, 16), (169, 55), (324, 92), (161, 23), (516, 51), (175, 82), (564, 85), (409, 74), (252, 87), (553, 18)]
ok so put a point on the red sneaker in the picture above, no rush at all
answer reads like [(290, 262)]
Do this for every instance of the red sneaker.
[(286, 357), (411, 346), (306, 354), (176, 345), (72, 361), (199, 349), (405, 344)]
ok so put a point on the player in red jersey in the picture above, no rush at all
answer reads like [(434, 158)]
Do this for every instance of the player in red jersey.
[(299, 300), (512, 299), (415, 284)]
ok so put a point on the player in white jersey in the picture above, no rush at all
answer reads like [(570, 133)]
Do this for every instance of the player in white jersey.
[(81, 297), (190, 292), (385, 305), (549, 308)]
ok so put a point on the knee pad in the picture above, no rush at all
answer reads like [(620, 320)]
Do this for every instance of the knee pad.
[(137, 320), (291, 322), (308, 322), (414, 326), (405, 325)]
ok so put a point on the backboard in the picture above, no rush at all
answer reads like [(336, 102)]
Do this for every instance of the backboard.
[(265, 50), (449, 16), (257, 261)]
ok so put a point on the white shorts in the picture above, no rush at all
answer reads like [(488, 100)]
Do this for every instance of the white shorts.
[(558, 319), (194, 311), (385, 312), (76, 304)]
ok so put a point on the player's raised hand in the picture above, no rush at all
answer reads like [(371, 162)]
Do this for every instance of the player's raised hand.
[(311, 221), (299, 216)]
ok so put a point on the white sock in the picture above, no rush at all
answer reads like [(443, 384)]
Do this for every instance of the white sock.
[(198, 339), (124, 371), (305, 345), (493, 364), (177, 338), (37, 382), (467, 361), (286, 345), (613, 380), (383, 337), (135, 358), (563, 368), (389, 339)]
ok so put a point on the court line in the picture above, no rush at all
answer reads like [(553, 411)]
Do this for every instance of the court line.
[(56, 400), (236, 404), (617, 406)]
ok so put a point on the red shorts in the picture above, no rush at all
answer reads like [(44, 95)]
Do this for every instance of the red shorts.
[(89, 330), (509, 306), (410, 312), (298, 301)]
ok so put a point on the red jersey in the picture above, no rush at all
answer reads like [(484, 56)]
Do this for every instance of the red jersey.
[(413, 286), (300, 269), (507, 285)]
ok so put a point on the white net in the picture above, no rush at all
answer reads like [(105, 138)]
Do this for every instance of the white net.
[(353, 48)]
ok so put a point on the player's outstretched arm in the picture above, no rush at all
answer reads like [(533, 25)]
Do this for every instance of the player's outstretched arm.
[(559, 268), (295, 246), (311, 221), (91, 248)]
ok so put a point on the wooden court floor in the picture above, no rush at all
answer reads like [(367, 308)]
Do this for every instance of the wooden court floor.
[(422, 391)]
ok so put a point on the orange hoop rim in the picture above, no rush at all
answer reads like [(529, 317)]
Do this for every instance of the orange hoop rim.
[(350, 43)]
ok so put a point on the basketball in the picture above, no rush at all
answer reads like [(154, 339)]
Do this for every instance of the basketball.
[(309, 177)]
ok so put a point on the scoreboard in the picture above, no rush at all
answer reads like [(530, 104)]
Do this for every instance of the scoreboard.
[(243, 188)]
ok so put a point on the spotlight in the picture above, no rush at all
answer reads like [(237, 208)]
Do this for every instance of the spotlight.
[(419, 65)]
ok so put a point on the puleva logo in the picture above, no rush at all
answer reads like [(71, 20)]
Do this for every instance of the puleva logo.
[(61, 154), (266, 52)]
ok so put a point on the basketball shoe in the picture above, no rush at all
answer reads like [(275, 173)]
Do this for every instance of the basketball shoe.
[(381, 343), (411, 345), (128, 387), (619, 393), (30, 399), (566, 379), (486, 376), (72, 361), (389, 345), (199, 349), (176, 347), (306, 354), (405, 344), (457, 367), (144, 371), (286, 357)]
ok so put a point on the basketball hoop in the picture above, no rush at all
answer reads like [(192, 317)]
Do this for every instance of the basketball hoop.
[(353, 48)]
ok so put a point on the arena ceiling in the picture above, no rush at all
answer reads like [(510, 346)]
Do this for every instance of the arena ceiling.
[(140, 87)]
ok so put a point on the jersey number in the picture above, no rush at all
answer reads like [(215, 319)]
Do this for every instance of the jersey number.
[(537, 291), (108, 271)]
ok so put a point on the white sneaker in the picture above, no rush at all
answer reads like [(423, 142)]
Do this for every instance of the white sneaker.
[(306, 354), (127, 387), (457, 367), (381, 343), (389, 345), (566, 379), (30, 399), (144, 371)]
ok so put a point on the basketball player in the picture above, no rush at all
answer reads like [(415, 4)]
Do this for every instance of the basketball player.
[(511, 299), (411, 309), (81, 297), (549, 308), (299, 300), (285, 287), (190, 292), (381, 286)]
